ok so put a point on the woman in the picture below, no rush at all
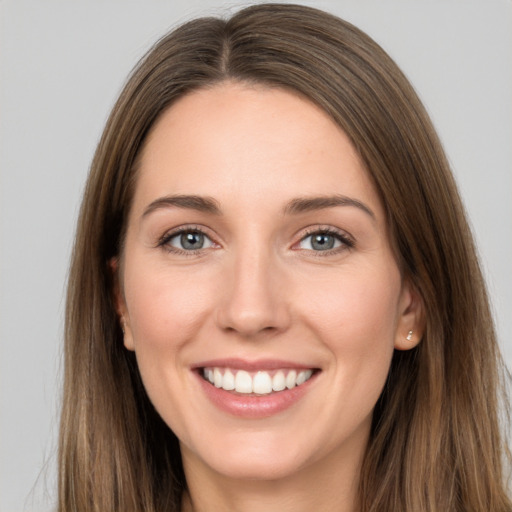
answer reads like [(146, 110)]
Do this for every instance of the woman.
[(274, 301)]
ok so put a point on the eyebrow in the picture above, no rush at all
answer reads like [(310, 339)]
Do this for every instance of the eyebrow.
[(295, 206), (308, 204), (191, 202)]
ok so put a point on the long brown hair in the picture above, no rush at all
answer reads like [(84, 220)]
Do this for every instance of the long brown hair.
[(436, 442)]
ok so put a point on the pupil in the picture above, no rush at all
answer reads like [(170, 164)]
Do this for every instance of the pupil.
[(322, 242), (192, 240)]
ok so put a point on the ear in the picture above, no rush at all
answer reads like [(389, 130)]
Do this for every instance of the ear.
[(120, 304), (411, 320)]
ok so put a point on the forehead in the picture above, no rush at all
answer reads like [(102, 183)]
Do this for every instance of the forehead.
[(235, 141)]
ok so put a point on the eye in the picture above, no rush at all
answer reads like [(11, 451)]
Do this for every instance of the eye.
[(187, 240), (324, 240)]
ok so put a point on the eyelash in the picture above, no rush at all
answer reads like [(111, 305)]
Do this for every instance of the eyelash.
[(346, 241), (164, 241)]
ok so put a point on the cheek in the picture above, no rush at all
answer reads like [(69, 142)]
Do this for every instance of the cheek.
[(356, 321), (356, 297), (166, 312), (165, 309), (356, 315)]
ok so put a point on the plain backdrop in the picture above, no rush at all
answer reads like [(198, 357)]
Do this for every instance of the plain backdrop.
[(62, 65)]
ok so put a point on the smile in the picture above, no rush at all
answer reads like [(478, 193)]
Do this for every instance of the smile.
[(259, 382)]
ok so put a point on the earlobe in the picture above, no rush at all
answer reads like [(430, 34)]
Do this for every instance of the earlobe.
[(127, 334), (120, 304), (411, 322)]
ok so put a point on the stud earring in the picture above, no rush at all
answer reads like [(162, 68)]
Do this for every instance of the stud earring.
[(409, 336)]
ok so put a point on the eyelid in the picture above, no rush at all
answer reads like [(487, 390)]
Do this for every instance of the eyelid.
[(347, 240), (163, 241)]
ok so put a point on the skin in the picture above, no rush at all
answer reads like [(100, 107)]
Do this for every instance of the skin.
[(257, 290)]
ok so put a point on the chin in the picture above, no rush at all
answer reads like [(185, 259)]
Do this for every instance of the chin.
[(260, 457), (265, 468)]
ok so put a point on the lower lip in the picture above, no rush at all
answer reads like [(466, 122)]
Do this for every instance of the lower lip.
[(254, 406)]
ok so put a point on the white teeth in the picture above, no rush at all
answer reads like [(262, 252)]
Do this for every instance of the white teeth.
[(260, 383), (217, 378), (278, 382), (291, 379), (243, 382), (229, 381), (301, 378)]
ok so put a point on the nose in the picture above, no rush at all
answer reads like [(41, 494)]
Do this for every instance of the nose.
[(253, 300)]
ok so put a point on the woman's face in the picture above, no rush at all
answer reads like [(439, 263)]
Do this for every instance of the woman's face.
[(257, 257)]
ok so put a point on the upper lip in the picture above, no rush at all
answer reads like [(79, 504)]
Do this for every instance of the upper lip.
[(248, 365)]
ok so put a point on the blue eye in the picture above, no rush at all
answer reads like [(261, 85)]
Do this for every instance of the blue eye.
[(189, 240), (324, 241)]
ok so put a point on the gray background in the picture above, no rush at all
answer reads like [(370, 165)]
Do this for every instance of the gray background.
[(62, 65)]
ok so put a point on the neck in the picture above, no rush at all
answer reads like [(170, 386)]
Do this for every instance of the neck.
[(329, 485)]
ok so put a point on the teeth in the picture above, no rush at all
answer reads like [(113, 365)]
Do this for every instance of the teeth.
[(301, 378), (243, 382), (229, 381), (261, 382), (279, 381), (217, 378), (291, 379)]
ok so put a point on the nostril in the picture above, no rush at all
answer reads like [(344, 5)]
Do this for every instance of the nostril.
[(250, 323), (252, 303)]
